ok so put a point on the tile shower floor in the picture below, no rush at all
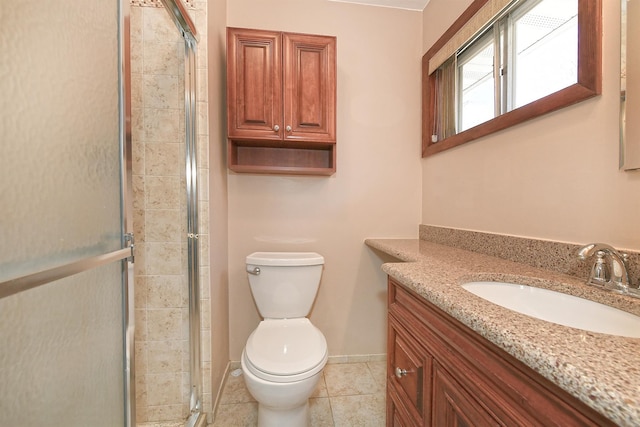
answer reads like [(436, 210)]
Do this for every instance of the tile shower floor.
[(349, 394)]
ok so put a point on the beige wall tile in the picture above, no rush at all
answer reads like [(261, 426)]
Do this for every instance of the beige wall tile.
[(163, 258), (163, 225), (139, 266), (163, 125), (203, 219), (141, 324), (162, 92), (157, 25), (165, 291), (205, 316), (136, 23), (140, 292), (163, 159), (164, 58), (205, 343), (203, 242), (167, 412), (205, 289), (141, 358), (164, 324), (138, 192), (162, 192), (164, 356)]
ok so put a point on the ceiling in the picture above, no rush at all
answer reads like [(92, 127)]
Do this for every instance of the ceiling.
[(398, 4)]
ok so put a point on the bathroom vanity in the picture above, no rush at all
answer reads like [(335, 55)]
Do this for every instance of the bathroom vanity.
[(456, 359), (441, 373)]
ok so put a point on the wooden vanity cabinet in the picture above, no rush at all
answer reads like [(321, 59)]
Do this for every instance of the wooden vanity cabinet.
[(281, 102), (455, 377)]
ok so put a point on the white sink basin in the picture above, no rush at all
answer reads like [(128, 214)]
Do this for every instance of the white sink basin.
[(558, 308)]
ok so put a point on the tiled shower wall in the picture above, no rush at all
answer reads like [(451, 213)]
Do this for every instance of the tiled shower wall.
[(158, 127)]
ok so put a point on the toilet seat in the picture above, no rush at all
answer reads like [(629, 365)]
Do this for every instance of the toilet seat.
[(285, 350)]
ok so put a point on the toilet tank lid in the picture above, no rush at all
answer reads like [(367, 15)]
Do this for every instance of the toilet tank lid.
[(285, 258)]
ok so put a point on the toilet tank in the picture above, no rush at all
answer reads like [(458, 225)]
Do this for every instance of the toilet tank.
[(284, 284)]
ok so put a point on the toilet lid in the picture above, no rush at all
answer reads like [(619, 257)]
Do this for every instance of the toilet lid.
[(286, 346)]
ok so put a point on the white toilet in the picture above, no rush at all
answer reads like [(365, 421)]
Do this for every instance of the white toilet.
[(284, 356)]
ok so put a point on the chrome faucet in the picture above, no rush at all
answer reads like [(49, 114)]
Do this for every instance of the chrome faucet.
[(609, 269)]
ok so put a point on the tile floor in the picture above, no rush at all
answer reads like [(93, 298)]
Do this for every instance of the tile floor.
[(349, 394)]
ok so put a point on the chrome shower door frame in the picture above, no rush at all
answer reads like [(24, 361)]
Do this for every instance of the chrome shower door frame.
[(191, 158), (188, 31)]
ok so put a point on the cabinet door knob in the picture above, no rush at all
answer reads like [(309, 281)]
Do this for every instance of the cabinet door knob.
[(276, 128), (288, 128), (401, 372)]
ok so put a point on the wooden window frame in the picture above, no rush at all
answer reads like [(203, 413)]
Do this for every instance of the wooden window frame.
[(589, 82)]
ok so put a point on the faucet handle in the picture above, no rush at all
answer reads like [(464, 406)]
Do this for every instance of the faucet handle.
[(600, 273)]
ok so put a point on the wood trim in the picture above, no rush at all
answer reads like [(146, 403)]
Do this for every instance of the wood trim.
[(589, 81)]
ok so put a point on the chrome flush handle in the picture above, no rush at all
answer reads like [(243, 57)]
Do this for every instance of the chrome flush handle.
[(255, 271)]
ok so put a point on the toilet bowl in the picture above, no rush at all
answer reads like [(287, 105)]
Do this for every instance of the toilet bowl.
[(284, 356)]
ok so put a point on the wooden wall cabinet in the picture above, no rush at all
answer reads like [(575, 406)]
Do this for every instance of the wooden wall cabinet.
[(281, 102), (442, 374)]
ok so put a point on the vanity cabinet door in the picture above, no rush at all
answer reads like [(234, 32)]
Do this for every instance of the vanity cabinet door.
[(409, 374), (454, 407)]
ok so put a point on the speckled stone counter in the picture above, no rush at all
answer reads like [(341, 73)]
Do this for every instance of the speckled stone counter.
[(601, 370)]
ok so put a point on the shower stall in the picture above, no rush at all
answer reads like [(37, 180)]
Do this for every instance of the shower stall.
[(99, 191)]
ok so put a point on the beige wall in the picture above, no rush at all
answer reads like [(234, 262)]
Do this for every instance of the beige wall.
[(555, 177), (376, 190), (219, 285)]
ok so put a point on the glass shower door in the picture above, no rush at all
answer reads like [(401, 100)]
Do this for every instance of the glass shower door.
[(64, 339)]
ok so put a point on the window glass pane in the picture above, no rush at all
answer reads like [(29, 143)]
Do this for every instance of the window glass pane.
[(59, 150), (476, 82), (61, 361), (545, 50)]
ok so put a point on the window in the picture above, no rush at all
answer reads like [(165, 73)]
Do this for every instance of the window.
[(476, 86), (531, 58)]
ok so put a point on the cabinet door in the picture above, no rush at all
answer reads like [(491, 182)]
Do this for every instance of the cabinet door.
[(454, 407), (409, 373), (310, 88), (254, 84)]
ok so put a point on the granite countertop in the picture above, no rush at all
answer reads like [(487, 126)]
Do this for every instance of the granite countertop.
[(601, 370)]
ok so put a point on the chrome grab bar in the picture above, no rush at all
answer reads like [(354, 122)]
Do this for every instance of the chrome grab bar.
[(255, 271)]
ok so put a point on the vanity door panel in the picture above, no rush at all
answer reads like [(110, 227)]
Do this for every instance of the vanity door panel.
[(254, 84), (310, 88), (409, 372), (454, 407)]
